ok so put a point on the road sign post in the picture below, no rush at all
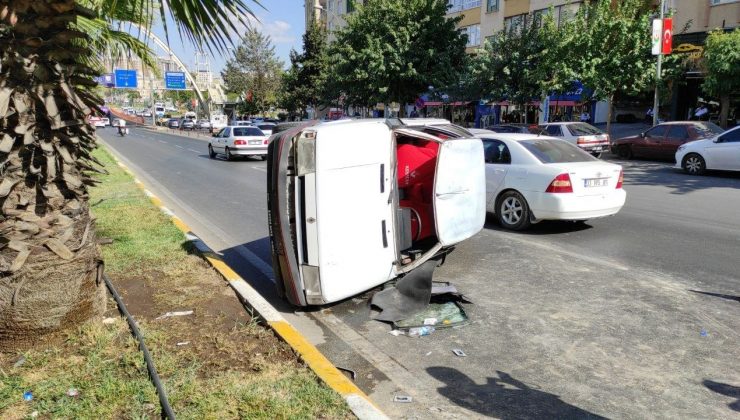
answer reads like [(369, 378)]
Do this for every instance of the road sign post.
[(125, 79), (661, 48), (174, 80)]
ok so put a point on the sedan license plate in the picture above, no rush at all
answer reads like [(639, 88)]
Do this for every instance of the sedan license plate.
[(253, 142), (596, 182)]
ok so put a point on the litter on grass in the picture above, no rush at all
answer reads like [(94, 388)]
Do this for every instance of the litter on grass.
[(176, 313)]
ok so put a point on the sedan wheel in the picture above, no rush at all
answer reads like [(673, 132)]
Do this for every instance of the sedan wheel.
[(211, 153), (694, 164), (228, 154), (512, 211), (625, 152), (597, 155)]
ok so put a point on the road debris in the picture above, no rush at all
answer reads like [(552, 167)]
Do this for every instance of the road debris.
[(73, 392), (396, 332), (421, 331), (183, 343), (27, 396), (402, 399), (108, 321), (18, 363), (703, 332), (459, 353), (176, 313)]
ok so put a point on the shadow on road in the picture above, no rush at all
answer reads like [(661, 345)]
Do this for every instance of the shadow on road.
[(719, 295), (546, 227), (504, 397), (725, 389), (650, 173)]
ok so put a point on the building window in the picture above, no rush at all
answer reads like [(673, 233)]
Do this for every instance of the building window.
[(473, 34), (492, 5), (350, 6), (718, 2), (515, 23), (459, 5)]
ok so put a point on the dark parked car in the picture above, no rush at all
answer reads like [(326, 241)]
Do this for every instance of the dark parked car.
[(662, 141), (515, 128)]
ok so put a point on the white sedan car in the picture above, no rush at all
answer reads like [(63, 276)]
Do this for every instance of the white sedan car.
[(530, 178), (721, 152), (239, 141)]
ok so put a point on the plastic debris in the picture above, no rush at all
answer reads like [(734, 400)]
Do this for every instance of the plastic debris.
[(18, 363), (402, 399), (176, 313), (108, 321), (27, 396), (73, 392), (429, 353), (34, 414), (430, 321), (395, 333), (703, 332), (421, 331), (183, 343), (459, 353)]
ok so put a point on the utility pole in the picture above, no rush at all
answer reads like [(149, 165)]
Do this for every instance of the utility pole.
[(656, 104)]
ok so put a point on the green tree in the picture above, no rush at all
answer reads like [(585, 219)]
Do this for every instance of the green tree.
[(255, 72), (305, 83), (50, 265), (523, 62), (391, 51), (609, 47), (722, 64)]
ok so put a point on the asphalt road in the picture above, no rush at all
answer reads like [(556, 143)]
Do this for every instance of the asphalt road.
[(633, 316)]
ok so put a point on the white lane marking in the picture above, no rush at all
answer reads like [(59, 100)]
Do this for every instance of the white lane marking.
[(259, 168), (179, 147), (162, 141), (193, 150)]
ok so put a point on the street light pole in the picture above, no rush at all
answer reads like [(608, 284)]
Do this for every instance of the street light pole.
[(656, 104)]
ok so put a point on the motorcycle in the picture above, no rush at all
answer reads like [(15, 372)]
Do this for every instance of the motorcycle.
[(122, 131)]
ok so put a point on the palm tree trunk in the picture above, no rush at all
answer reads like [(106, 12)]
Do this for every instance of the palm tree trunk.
[(50, 263)]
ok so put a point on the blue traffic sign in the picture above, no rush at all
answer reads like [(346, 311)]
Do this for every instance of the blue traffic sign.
[(106, 80), (125, 79), (174, 80)]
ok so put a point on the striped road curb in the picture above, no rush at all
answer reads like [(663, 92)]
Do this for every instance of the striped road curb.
[(360, 404)]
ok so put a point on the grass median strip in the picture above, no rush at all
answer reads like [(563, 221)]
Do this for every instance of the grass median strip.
[(215, 363)]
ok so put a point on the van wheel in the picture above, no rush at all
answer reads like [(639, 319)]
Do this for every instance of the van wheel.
[(211, 153), (512, 211)]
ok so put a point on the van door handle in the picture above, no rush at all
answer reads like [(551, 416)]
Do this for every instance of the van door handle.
[(382, 178), (385, 236)]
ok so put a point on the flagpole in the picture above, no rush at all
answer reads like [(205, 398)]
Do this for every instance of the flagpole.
[(657, 71)]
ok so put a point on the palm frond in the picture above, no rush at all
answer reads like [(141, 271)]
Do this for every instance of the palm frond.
[(104, 40)]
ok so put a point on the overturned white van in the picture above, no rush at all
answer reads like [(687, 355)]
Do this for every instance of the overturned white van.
[(354, 204)]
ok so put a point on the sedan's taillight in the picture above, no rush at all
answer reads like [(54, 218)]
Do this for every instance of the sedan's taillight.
[(621, 179), (581, 140), (561, 184), (266, 141), (239, 142)]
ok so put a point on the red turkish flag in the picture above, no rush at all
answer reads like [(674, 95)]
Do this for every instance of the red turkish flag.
[(667, 35)]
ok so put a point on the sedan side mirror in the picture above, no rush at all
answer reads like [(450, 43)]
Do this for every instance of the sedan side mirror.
[(642, 135)]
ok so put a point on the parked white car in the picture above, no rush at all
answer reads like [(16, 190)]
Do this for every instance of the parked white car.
[(583, 135), (354, 204), (721, 152), (530, 178), (97, 122), (239, 141)]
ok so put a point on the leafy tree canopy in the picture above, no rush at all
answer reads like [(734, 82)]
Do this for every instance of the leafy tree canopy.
[(254, 72), (391, 51), (722, 64), (304, 84)]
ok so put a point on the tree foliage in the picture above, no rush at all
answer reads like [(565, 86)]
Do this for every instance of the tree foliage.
[(255, 72), (722, 65), (304, 84), (609, 47), (391, 51)]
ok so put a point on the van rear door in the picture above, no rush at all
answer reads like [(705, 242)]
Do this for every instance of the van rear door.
[(459, 190)]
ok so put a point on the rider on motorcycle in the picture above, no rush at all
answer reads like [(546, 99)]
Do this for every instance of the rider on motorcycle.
[(121, 124)]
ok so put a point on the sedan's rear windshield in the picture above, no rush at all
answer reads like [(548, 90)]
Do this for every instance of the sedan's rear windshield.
[(266, 126), (582, 129), (247, 131), (556, 151), (707, 129)]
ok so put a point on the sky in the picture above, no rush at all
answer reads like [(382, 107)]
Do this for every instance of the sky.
[(282, 20)]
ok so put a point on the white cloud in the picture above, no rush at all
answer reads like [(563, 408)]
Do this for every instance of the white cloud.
[(278, 30)]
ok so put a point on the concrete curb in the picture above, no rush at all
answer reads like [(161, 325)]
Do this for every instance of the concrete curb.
[(360, 404)]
